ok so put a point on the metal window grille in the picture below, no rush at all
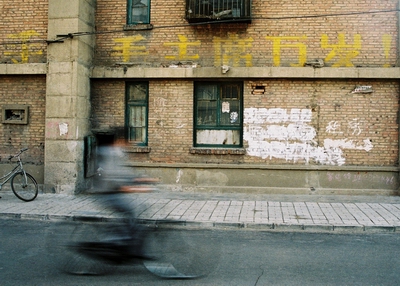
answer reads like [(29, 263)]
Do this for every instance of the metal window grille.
[(217, 10)]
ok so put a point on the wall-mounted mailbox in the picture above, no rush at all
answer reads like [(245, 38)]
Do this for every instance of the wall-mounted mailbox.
[(15, 114), (90, 156)]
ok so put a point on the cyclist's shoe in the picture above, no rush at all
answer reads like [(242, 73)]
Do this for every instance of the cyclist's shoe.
[(111, 252)]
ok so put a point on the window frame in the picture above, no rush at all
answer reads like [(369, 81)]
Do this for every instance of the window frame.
[(129, 17), (219, 126), (130, 103)]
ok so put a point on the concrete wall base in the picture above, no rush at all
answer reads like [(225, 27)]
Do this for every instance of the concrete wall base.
[(253, 179), (278, 191)]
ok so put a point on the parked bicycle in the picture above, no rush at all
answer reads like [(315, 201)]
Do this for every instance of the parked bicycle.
[(23, 184)]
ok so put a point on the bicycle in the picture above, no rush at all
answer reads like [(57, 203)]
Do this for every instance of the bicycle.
[(23, 184), (92, 249), (96, 247)]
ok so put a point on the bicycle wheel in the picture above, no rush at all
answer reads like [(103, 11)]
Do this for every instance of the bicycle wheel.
[(180, 254), (25, 190), (64, 251)]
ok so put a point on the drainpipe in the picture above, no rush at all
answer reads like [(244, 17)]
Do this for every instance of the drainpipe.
[(398, 65), (398, 33)]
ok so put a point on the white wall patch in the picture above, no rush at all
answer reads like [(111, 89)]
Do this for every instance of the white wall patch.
[(279, 133), (63, 128)]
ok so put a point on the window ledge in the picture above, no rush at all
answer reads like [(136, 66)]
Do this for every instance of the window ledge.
[(137, 149), (138, 27), (218, 151)]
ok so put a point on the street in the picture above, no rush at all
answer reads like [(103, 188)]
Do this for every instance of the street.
[(231, 257)]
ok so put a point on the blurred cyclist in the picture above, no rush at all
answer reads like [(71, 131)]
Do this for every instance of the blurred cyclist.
[(114, 180)]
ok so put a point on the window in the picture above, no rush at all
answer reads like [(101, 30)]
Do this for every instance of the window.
[(138, 12), (136, 112), (218, 10), (218, 114), (15, 113)]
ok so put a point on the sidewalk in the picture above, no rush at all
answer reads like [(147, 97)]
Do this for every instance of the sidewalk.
[(361, 214)]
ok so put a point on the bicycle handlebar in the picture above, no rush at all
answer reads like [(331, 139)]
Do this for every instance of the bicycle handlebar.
[(19, 153)]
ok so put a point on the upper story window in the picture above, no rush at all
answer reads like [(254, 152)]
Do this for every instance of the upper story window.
[(218, 114), (218, 10), (138, 12)]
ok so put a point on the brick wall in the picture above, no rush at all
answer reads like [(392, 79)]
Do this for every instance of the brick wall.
[(170, 116), (343, 127), (170, 120), (353, 121), (26, 90), (108, 104), (361, 127), (283, 33), (23, 31)]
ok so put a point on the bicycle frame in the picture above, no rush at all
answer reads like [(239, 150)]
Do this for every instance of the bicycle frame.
[(18, 168)]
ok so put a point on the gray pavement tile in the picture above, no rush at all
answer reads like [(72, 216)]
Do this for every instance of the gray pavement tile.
[(384, 213), (181, 208), (393, 210), (370, 212), (225, 211)]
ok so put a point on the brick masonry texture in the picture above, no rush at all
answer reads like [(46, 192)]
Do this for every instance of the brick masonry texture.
[(23, 21), (282, 33), (31, 91), (368, 40), (23, 33), (359, 40), (357, 116)]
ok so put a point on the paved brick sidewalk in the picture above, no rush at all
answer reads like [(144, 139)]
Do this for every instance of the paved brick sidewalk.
[(204, 210)]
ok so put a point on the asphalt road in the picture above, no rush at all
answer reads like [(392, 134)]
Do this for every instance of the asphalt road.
[(29, 256)]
